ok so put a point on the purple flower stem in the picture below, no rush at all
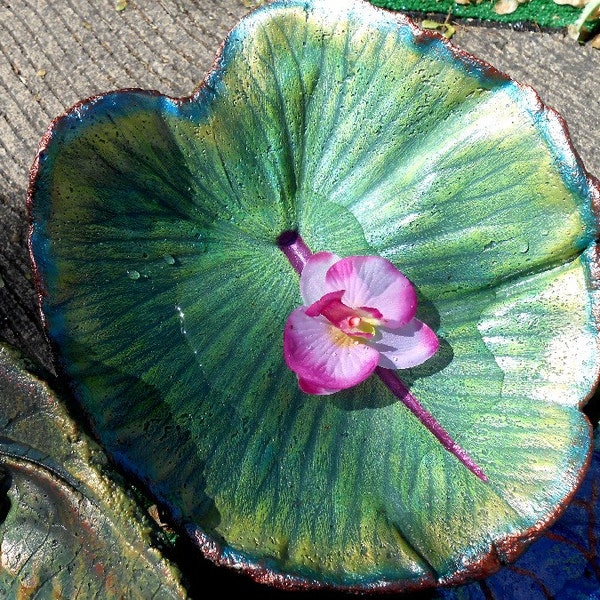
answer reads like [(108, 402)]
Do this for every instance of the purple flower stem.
[(297, 252), (428, 420)]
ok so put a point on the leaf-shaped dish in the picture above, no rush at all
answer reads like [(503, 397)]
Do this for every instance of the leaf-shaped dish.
[(562, 563), (68, 530), (154, 228)]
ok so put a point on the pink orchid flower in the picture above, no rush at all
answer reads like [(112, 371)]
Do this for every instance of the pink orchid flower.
[(358, 318), (358, 314)]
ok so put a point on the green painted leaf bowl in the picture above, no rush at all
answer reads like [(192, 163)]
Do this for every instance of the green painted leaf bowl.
[(156, 238)]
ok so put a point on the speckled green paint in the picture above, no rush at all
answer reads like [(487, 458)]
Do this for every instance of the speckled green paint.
[(338, 122), (69, 529)]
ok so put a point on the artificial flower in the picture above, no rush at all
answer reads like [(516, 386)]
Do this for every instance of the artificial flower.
[(358, 313)]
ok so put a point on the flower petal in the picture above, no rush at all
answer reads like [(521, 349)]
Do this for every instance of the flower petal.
[(405, 347), (328, 301), (312, 281), (374, 282), (323, 356), (309, 387)]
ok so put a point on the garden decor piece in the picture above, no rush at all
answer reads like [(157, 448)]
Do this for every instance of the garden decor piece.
[(168, 237), (563, 563), (68, 529)]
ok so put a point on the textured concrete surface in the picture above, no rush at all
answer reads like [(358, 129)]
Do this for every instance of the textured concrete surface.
[(53, 54)]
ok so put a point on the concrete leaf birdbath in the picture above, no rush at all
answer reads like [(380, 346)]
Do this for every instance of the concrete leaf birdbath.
[(169, 239)]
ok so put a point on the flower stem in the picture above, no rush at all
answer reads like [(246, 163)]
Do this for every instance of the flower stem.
[(428, 420), (297, 252)]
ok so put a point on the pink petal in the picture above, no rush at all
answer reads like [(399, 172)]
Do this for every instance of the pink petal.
[(352, 321), (312, 279), (308, 387), (332, 299), (405, 347), (372, 282), (324, 357)]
